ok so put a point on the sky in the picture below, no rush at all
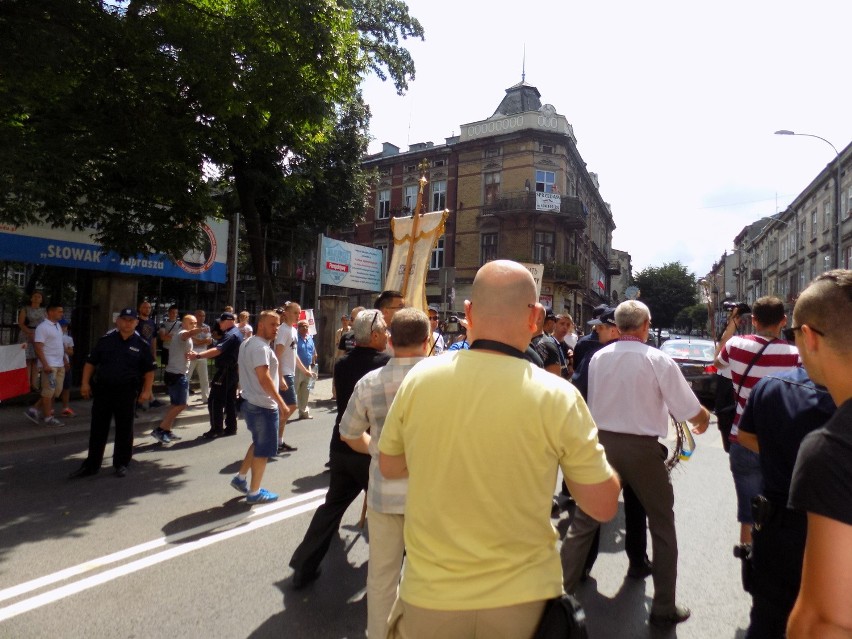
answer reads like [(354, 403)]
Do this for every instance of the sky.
[(673, 104)]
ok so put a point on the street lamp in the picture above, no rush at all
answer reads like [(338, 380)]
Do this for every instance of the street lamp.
[(837, 214)]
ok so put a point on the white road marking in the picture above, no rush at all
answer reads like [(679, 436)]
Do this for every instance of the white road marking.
[(253, 522)]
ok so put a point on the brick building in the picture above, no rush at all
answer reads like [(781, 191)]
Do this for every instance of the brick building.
[(517, 188)]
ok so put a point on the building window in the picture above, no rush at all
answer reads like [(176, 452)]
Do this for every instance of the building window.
[(488, 247), (436, 261), (826, 214), (409, 196), (543, 247), (383, 204), (492, 186), (438, 163), (492, 153), (384, 249), (545, 181), (439, 195), (849, 202), (813, 223), (847, 257), (803, 232), (546, 148)]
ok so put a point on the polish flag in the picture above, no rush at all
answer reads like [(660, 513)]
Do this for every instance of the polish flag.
[(601, 285), (13, 371)]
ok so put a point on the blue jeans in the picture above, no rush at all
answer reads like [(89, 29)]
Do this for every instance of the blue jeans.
[(748, 479), (263, 426)]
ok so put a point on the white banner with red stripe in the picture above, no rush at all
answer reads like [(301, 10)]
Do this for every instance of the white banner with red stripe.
[(13, 371)]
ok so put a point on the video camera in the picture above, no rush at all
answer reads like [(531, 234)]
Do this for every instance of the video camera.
[(742, 307)]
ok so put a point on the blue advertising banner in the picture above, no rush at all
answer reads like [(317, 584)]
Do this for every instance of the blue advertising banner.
[(77, 249), (350, 265)]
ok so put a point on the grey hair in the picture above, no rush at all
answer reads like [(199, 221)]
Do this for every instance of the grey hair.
[(364, 325), (631, 314)]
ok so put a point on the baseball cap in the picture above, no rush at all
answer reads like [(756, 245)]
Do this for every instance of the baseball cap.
[(607, 317), (550, 317), (227, 316), (599, 310), (64, 322), (128, 312)]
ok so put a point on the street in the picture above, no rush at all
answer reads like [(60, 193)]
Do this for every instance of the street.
[(173, 550)]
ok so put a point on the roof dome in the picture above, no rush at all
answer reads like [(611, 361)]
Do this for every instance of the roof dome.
[(518, 99)]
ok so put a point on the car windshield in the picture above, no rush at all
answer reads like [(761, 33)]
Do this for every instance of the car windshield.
[(702, 351)]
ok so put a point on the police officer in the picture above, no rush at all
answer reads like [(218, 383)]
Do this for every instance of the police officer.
[(780, 411), (222, 404), (119, 360)]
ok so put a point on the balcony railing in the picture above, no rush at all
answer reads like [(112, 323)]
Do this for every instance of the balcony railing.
[(570, 274), (571, 210)]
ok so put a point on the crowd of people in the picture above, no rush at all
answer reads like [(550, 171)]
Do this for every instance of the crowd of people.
[(460, 490)]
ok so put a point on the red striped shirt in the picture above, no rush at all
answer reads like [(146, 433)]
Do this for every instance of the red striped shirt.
[(738, 353)]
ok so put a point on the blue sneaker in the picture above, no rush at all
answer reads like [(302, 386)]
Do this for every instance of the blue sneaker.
[(161, 435), (240, 485), (262, 497)]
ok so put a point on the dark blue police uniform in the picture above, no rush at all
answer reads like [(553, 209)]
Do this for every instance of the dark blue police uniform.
[(781, 410), (120, 364), (222, 403)]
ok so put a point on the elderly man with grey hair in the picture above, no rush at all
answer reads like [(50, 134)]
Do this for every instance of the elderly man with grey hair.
[(349, 469), (649, 386)]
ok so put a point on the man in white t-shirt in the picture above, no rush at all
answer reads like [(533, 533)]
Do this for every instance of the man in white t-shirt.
[(649, 386), (176, 378), (201, 342), (263, 409), (50, 356), (285, 351)]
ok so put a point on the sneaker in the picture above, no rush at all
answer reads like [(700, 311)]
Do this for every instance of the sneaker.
[(155, 403), (678, 615), (174, 436), (52, 421), (261, 497), (284, 447), (240, 484), (67, 412), (32, 415), (161, 435)]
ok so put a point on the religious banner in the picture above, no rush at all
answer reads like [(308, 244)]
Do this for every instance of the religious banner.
[(414, 239)]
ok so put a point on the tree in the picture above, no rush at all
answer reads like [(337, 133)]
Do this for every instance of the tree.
[(132, 101), (666, 290)]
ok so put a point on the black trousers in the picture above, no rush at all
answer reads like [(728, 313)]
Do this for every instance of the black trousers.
[(349, 476), (112, 402), (778, 549), (635, 532), (222, 401)]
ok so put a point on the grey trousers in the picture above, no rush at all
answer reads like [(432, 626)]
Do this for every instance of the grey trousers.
[(640, 461)]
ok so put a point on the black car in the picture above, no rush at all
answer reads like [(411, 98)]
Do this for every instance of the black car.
[(695, 358)]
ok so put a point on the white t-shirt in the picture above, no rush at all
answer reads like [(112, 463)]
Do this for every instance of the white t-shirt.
[(288, 338), (171, 327), (633, 388), (256, 352), (178, 363), (50, 334), (67, 342)]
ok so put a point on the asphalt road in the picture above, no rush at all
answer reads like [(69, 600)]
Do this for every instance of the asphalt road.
[(173, 550)]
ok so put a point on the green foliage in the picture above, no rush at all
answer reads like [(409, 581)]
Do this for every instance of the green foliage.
[(112, 113), (666, 290)]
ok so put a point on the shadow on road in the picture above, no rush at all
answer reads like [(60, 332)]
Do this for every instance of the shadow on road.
[(235, 508), (334, 606)]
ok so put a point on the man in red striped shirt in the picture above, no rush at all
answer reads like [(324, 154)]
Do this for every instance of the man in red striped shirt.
[(751, 357)]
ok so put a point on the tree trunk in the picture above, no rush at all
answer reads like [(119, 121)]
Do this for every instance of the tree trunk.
[(247, 192)]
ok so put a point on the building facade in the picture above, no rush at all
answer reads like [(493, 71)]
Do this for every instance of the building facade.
[(516, 188), (781, 254)]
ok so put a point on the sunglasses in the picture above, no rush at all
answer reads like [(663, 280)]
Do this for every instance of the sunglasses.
[(789, 334)]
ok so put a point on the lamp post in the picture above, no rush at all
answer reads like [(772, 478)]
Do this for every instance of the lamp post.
[(838, 220)]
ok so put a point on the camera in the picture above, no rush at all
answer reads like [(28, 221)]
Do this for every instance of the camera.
[(742, 307)]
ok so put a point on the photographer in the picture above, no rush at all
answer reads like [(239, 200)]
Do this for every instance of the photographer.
[(749, 358), (725, 404)]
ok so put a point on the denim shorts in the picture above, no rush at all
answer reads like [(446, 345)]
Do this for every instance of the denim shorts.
[(179, 391), (263, 426), (289, 395), (748, 480)]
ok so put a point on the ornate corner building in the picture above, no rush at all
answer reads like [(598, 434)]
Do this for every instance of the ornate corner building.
[(516, 188)]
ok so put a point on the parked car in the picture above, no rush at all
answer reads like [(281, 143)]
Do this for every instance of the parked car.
[(695, 358)]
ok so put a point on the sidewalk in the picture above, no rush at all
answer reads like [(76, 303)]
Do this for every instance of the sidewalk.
[(17, 432)]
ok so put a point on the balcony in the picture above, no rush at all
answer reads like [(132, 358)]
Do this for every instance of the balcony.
[(570, 210), (571, 275), (613, 268)]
